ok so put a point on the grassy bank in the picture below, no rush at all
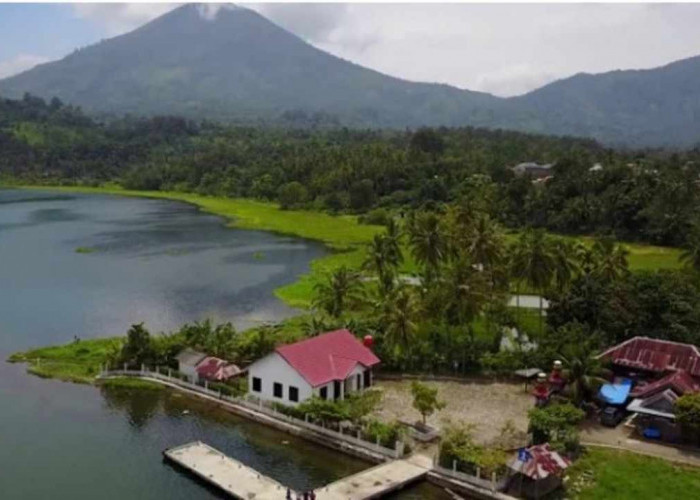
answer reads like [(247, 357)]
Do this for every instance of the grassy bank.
[(609, 474), (75, 362)]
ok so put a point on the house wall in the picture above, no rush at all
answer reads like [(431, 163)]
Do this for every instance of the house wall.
[(189, 370), (273, 368)]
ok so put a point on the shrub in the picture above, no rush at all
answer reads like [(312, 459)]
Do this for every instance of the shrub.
[(387, 434), (687, 411)]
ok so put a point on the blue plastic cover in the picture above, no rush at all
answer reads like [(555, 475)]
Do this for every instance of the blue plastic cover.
[(616, 394)]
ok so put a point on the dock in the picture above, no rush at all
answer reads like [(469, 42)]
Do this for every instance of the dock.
[(375, 482), (242, 482), (229, 475)]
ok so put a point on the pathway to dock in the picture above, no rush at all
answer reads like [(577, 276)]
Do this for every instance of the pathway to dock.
[(242, 482), (377, 481), (231, 476)]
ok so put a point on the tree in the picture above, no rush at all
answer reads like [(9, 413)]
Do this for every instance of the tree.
[(138, 348), (339, 292), (428, 242), (292, 195), (425, 400), (381, 260), (687, 412), (690, 256), (362, 195), (553, 422), (399, 319), (566, 265), (533, 261), (427, 140), (610, 258), (583, 369)]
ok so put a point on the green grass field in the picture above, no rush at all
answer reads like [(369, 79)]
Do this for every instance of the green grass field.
[(343, 235), (604, 474), (75, 362)]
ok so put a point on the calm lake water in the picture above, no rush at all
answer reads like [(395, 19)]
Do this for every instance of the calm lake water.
[(155, 261)]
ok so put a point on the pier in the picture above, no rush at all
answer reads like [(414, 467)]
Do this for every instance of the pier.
[(242, 482), (229, 475)]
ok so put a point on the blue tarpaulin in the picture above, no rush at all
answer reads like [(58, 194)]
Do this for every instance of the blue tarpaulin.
[(616, 394)]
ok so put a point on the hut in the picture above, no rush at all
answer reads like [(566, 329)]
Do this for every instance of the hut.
[(537, 471)]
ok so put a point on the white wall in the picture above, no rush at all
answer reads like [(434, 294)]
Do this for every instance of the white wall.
[(273, 368), (189, 370)]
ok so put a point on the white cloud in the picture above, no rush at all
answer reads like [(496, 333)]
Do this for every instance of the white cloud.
[(20, 63), (118, 18)]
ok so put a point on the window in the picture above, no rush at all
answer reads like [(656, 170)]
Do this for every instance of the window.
[(257, 384), (358, 380), (323, 392), (293, 393), (277, 390)]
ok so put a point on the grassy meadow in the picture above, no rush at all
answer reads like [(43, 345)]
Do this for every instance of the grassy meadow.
[(611, 474)]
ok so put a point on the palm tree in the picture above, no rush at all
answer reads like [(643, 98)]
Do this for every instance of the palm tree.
[(428, 242), (533, 261), (399, 317), (566, 265), (583, 369), (466, 291), (339, 292), (611, 259), (382, 258), (690, 256), (485, 247)]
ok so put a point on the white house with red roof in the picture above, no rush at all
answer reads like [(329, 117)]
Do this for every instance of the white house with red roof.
[(330, 366)]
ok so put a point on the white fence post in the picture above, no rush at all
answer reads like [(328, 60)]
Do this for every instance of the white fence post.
[(454, 465), (493, 481)]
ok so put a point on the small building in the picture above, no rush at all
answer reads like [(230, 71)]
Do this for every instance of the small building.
[(537, 471), (533, 169), (216, 369), (187, 362), (330, 366)]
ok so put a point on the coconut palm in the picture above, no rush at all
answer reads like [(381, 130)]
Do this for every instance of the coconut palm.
[(566, 264), (583, 370), (428, 242), (398, 319), (465, 291), (690, 256), (382, 258), (611, 259), (485, 247), (533, 261), (340, 291)]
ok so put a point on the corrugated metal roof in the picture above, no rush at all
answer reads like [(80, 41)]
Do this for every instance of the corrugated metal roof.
[(329, 356), (190, 357), (680, 381), (655, 355)]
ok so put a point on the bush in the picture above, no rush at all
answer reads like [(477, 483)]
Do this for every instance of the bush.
[(687, 411), (457, 444), (387, 434), (376, 217), (555, 424)]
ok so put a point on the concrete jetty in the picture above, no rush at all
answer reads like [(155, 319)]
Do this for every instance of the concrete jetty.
[(242, 482), (375, 482), (226, 473)]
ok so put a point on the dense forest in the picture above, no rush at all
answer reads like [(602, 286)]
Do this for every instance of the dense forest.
[(634, 195)]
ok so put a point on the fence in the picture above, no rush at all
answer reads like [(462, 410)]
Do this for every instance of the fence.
[(259, 407), (494, 483)]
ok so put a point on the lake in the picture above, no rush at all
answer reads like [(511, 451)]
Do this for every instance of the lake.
[(90, 266)]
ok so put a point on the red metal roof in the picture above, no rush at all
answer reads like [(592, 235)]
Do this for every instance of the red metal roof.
[(655, 355), (542, 462), (216, 369), (329, 356), (680, 381)]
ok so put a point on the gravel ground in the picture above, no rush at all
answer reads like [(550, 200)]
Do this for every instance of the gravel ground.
[(488, 405)]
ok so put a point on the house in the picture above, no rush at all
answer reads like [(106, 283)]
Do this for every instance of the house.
[(330, 366), (535, 170), (664, 371), (537, 471), (216, 369), (187, 362)]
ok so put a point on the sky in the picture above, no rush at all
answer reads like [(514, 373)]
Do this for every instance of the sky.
[(503, 49)]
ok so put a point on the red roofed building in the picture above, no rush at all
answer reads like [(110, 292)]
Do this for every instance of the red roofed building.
[(330, 366), (656, 356), (211, 368)]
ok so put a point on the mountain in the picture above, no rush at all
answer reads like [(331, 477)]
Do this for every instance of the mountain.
[(235, 66), (238, 66), (658, 106)]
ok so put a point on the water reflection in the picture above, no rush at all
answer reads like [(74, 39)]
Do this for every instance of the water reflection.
[(138, 405)]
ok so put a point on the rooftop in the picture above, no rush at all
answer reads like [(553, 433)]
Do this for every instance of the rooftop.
[(644, 353), (327, 357)]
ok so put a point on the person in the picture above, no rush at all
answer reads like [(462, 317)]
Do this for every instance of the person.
[(312, 495), (306, 495), (289, 494)]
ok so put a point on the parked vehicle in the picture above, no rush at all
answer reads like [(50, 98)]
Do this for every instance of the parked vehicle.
[(611, 416)]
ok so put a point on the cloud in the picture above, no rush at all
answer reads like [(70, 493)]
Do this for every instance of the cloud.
[(118, 18), (314, 22), (20, 63)]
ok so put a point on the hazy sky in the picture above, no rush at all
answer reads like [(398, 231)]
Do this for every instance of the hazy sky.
[(499, 48)]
